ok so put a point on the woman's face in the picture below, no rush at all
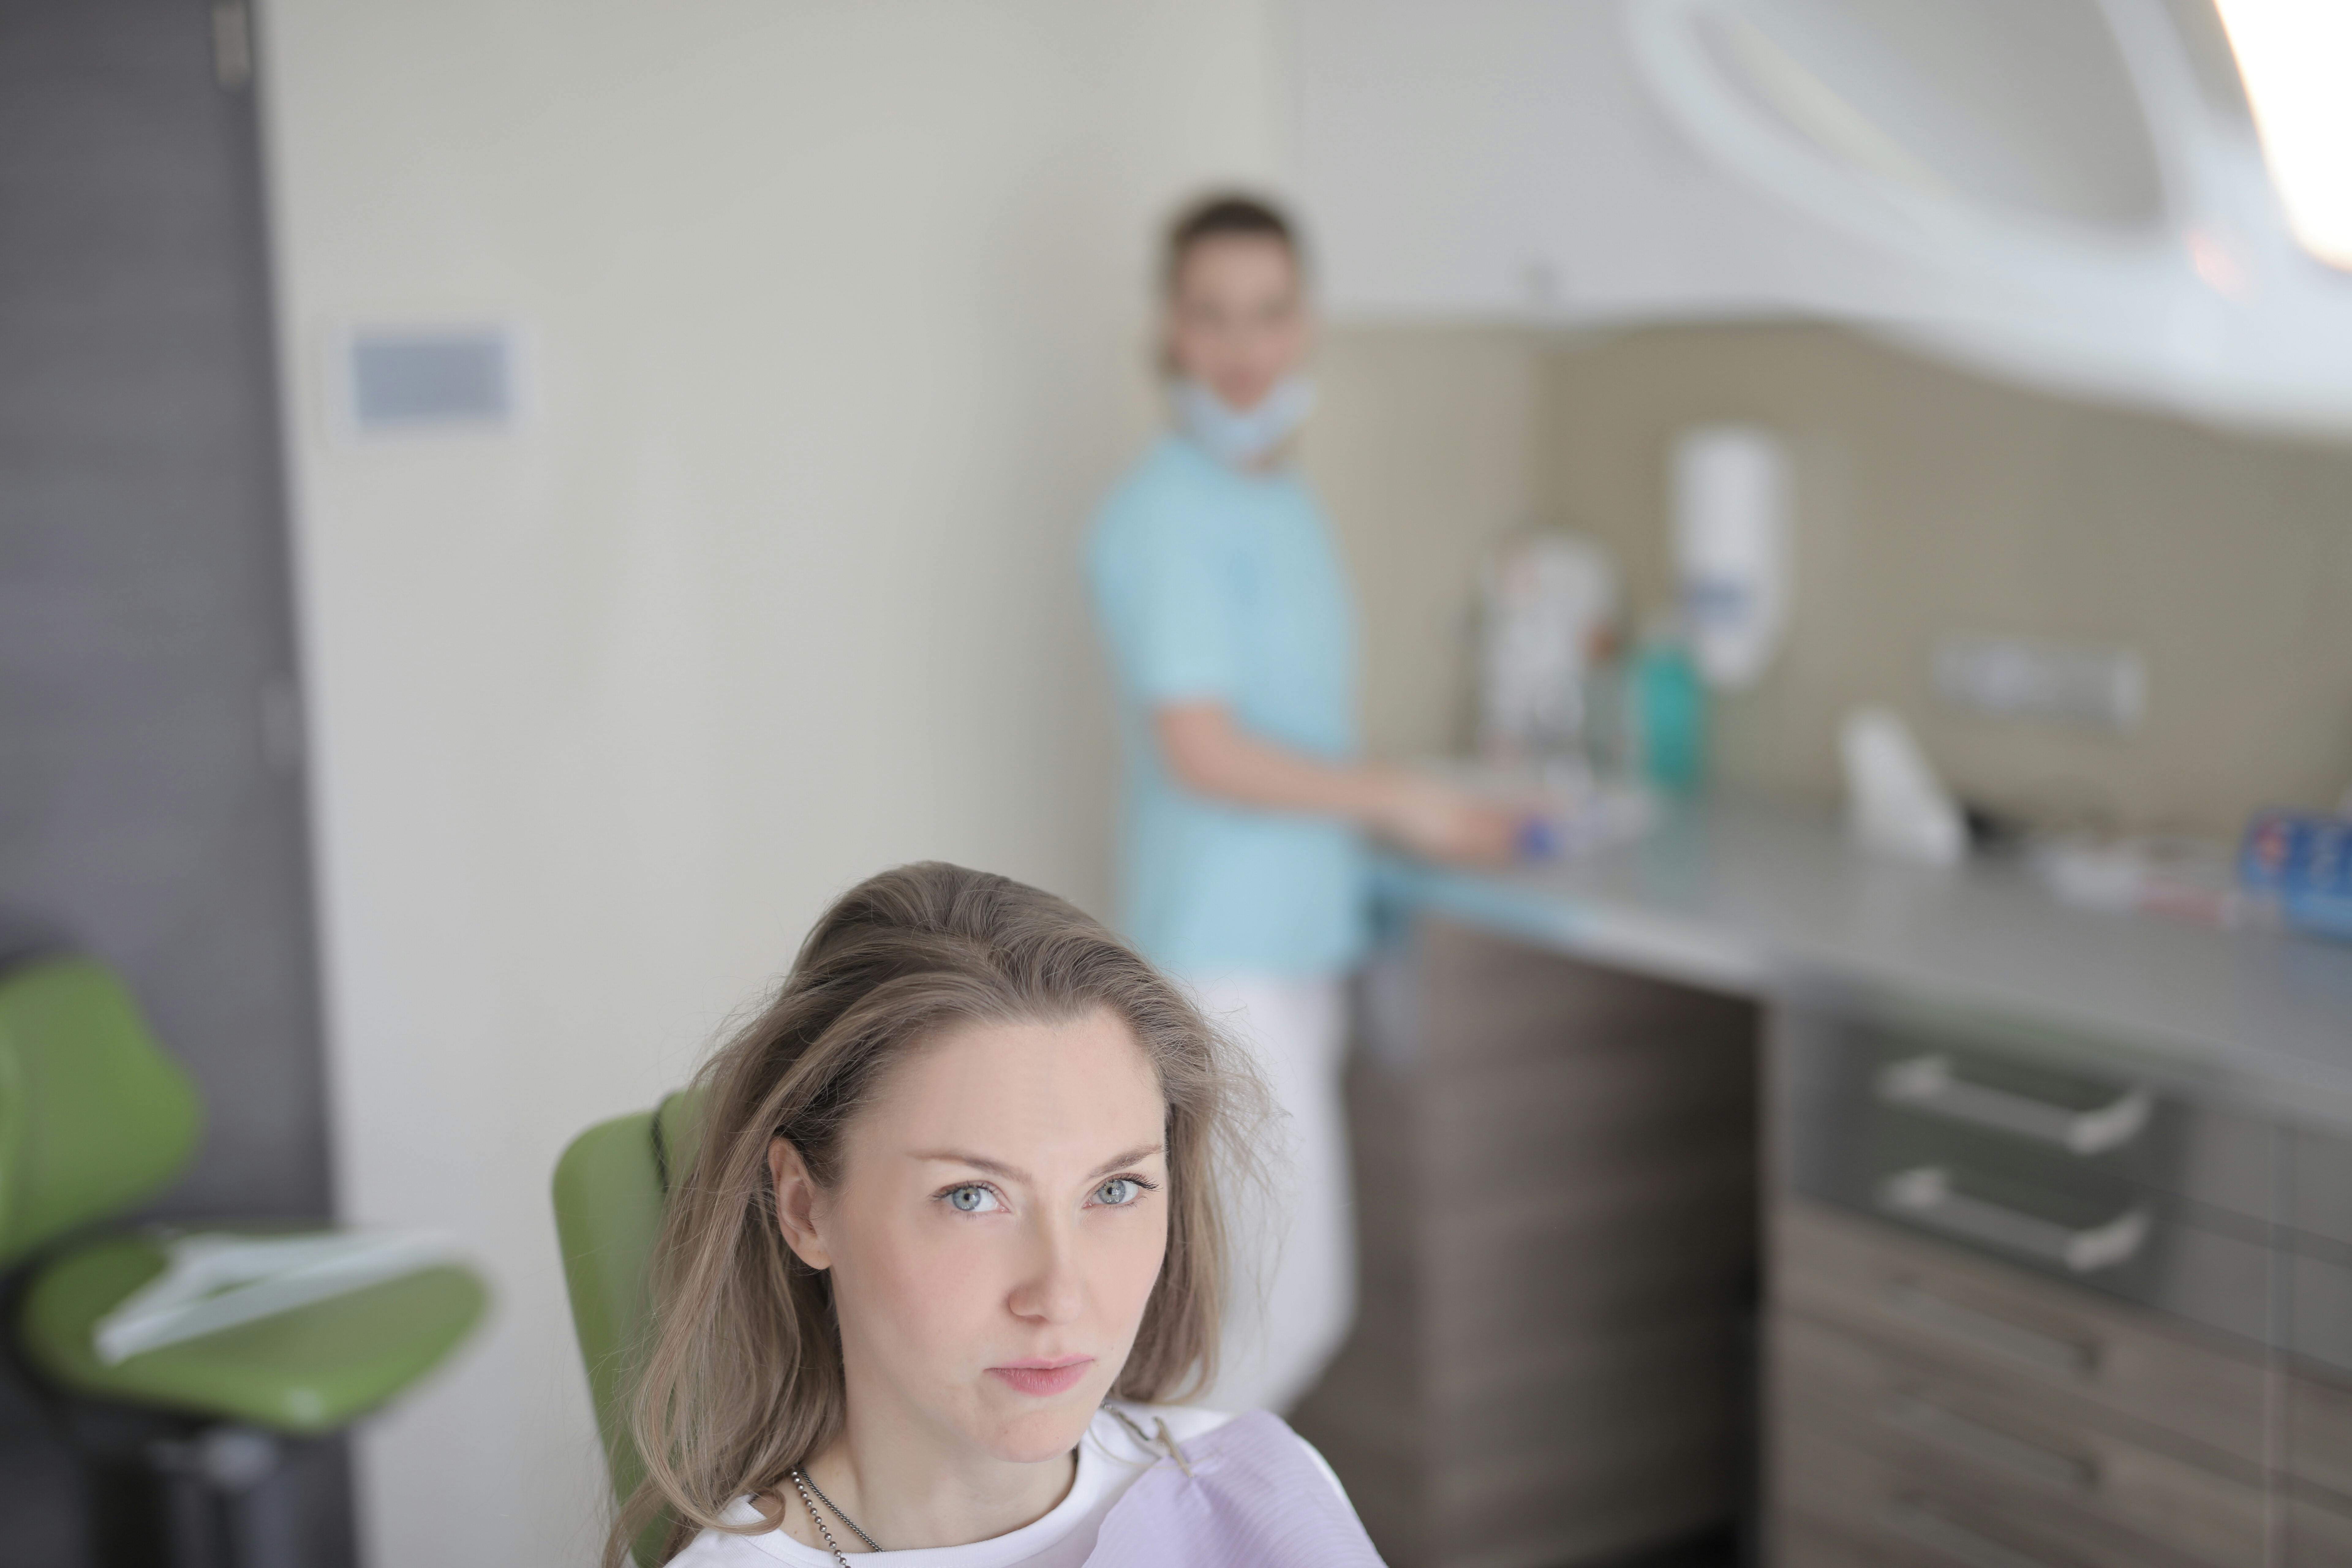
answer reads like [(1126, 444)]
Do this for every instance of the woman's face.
[(993, 1231), (1236, 322)]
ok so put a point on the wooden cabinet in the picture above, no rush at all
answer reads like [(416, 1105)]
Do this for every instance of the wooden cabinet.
[(2314, 1535), (2318, 1459), (1840, 1499), (2134, 1445), (1945, 1311), (1557, 1189), (1958, 1378), (2036, 1312), (2319, 1436)]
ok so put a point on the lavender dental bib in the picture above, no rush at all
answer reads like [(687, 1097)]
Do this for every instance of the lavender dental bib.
[(1252, 1496)]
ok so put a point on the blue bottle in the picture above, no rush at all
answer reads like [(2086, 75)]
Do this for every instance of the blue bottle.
[(1669, 713)]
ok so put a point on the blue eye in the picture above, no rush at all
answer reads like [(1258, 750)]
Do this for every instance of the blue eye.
[(1116, 1191), (972, 1198)]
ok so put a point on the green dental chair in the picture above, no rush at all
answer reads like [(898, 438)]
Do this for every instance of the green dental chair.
[(94, 1119), (610, 1187)]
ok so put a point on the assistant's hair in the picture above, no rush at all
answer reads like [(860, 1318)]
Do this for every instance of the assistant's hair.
[(1226, 215), (742, 1377)]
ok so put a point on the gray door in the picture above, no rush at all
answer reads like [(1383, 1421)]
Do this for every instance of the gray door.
[(151, 775)]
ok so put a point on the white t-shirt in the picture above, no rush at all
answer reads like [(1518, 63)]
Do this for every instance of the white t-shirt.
[(1109, 1461)]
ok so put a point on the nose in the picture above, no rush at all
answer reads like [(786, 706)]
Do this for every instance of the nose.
[(1052, 1290)]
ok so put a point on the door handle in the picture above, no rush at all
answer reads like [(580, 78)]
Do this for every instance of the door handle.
[(1929, 1083), (1925, 1195), (1992, 1331), (1931, 1528), (1922, 1417)]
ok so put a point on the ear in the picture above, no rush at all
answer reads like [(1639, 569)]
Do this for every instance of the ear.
[(796, 1195)]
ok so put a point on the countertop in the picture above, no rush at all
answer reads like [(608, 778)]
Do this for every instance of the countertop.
[(1771, 900)]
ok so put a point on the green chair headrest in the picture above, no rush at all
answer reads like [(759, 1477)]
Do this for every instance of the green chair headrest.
[(93, 1116)]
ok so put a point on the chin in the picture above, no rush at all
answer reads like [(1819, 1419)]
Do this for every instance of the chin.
[(1242, 398), (1042, 1429)]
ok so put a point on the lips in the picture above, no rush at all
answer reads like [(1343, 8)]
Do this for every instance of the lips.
[(1044, 1376)]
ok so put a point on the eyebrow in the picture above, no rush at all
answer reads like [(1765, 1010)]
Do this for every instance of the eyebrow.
[(1014, 1174)]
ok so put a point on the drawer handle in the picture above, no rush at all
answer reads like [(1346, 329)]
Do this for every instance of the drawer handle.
[(1925, 1418), (1992, 1331), (1929, 1083), (1927, 1195), (1930, 1529)]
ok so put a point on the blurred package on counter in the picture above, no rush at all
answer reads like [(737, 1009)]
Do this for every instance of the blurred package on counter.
[(2302, 862), (2163, 874), (1548, 610)]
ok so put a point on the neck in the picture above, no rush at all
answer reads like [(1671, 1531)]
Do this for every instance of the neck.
[(1266, 463), (909, 1484)]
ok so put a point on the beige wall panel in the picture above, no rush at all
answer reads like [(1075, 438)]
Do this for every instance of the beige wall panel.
[(1930, 501), (1425, 451)]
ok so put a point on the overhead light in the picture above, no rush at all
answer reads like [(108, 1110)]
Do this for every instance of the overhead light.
[(2295, 56)]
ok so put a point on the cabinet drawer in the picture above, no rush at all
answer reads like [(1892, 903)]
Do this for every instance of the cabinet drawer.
[(1938, 1420), (2315, 1536), (1921, 1087), (1832, 1488), (2319, 1435), (1801, 1545), (1973, 1316), (2319, 1310), (2322, 1192), (2082, 1232)]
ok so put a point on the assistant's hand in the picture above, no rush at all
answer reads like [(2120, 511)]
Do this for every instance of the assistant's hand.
[(1213, 756), (1435, 819)]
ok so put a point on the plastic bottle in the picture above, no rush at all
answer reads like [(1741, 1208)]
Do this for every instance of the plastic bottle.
[(1669, 705)]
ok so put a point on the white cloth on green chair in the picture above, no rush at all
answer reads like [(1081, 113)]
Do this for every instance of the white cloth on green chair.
[(216, 1280)]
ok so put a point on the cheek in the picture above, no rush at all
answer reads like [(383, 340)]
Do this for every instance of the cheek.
[(1127, 1265), (1197, 353), (924, 1281), (1281, 346)]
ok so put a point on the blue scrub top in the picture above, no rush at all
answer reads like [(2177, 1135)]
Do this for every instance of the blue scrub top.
[(1213, 584)]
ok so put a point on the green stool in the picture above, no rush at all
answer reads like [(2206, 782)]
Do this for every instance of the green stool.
[(610, 1187), (93, 1118)]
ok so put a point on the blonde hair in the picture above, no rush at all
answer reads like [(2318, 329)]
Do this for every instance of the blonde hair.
[(742, 1379)]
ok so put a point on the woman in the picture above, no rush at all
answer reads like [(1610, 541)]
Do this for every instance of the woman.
[(951, 1237), (1233, 636)]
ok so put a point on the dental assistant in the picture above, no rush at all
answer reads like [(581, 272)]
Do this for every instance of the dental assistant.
[(1232, 630)]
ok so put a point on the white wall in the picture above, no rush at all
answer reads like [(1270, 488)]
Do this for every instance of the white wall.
[(839, 311)]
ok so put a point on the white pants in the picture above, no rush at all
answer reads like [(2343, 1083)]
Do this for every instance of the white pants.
[(1294, 1290)]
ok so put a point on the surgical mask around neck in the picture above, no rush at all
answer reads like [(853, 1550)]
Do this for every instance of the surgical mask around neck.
[(1247, 436)]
